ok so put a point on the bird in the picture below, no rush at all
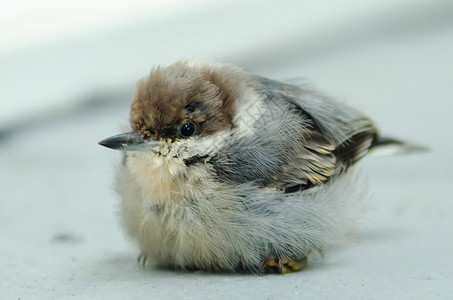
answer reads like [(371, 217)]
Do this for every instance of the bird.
[(226, 171)]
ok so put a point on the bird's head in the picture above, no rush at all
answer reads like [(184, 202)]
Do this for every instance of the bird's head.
[(180, 111)]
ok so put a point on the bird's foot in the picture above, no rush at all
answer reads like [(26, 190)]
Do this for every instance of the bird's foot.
[(141, 259), (282, 265)]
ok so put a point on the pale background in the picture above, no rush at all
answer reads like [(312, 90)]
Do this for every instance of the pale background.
[(68, 70)]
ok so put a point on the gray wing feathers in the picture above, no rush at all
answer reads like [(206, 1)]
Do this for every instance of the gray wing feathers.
[(336, 135), (304, 138)]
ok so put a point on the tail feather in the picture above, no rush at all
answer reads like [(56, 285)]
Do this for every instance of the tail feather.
[(383, 146)]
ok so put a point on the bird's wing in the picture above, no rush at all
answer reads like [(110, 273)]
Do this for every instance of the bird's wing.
[(317, 158), (302, 139), (335, 136)]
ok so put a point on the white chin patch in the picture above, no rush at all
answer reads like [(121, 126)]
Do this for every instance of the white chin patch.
[(201, 146)]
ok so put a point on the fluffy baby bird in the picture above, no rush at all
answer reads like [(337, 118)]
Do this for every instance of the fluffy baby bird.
[(227, 171)]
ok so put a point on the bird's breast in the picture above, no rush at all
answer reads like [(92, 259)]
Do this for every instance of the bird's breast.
[(157, 176)]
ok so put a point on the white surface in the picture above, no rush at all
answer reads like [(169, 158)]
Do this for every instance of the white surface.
[(59, 236)]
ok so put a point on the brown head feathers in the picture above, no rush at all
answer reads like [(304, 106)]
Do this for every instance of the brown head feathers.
[(178, 94)]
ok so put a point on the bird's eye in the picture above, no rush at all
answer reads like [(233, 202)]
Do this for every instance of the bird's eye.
[(187, 129)]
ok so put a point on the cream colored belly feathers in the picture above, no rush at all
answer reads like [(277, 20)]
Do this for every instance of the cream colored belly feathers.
[(170, 229)]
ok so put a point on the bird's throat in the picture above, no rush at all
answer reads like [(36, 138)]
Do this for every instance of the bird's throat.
[(157, 176)]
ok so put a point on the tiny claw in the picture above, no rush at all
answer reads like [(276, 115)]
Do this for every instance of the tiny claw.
[(263, 264), (142, 259), (281, 267)]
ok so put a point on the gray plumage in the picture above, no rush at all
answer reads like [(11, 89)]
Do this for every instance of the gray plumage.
[(302, 138)]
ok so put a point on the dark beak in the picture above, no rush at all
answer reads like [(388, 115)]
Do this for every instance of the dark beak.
[(130, 141)]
